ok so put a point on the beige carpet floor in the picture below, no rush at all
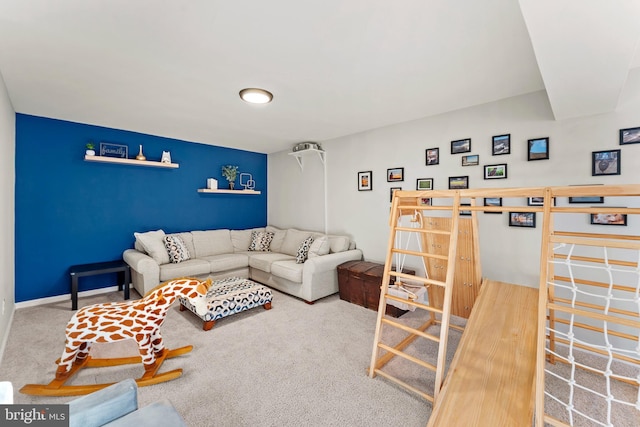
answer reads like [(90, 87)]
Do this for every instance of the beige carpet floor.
[(296, 364)]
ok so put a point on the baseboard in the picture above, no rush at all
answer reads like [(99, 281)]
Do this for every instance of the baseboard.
[(5, 339), (48, 300), (65, 297)]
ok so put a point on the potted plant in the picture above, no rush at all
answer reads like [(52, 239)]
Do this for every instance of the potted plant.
[(90, 149), (230, 172)]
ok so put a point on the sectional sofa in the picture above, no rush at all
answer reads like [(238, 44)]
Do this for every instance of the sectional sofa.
[(297, 262)]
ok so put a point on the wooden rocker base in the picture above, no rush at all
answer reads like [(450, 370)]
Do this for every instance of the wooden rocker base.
[(58, 387)]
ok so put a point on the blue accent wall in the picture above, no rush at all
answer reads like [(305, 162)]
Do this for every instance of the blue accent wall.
[(69, 211)]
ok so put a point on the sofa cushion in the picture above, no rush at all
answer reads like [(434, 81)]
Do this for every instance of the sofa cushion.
[(339, 243), (319, 247), (260, 241), (303, 250), (189, 268), (263, 260), (176, 249), (278, 237), (289, 270), (153, 244), (226, 262), (212, 242), (240, 239), (292, 241)]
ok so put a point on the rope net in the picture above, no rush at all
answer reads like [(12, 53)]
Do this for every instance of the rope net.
[(593, 335)]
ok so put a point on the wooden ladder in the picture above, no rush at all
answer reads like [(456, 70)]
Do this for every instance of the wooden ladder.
[(403, 203)]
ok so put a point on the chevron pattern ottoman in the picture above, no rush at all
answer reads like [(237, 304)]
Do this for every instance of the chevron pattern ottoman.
[(230, 296)]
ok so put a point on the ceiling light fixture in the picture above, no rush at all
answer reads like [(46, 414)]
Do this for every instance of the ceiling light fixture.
[(256, 96)]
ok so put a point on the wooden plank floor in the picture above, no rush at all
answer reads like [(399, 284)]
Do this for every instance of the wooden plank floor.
[(491, 378)]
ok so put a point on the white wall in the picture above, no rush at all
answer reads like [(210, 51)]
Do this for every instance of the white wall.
[(7, 213), (296, 196), (508, 254)]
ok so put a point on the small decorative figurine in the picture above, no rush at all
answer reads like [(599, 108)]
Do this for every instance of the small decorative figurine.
[(230, 172), (166, 157), (246, 180), (140, 156)]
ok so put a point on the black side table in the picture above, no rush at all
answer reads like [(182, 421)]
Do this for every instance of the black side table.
[(83, 270)]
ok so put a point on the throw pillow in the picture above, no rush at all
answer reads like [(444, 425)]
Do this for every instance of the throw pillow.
[(292, 240), (260, 241), (212, 242), (303, 250), (176, 249), (241, 239), (319, 247), (339, 243), (278, 238), (153, 245)]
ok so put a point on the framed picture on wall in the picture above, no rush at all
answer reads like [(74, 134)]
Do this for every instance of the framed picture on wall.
[(391, 191), (586, 199), (495, 171), (493, 201), (501, 144), (424, 184), (608, 218), (605, 162), (365, 181), (630, 136), (535, 201), (433, 156), (458, 182), (465, 212), (538, 201), (522, 219), (395, 174), (538, 149), (471, 160), (461, 146)]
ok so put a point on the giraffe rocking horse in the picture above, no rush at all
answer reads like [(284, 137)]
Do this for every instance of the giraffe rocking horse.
[(139, 320)]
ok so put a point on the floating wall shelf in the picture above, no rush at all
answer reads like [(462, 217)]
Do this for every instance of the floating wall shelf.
[(133, 162), (208, 190)]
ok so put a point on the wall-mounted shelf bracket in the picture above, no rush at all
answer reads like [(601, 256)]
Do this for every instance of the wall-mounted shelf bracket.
[(302, 153)]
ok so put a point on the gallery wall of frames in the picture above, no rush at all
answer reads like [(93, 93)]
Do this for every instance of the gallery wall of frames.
[(605, 162)]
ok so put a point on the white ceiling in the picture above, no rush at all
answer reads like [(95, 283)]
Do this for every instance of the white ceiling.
[(335, 67)]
